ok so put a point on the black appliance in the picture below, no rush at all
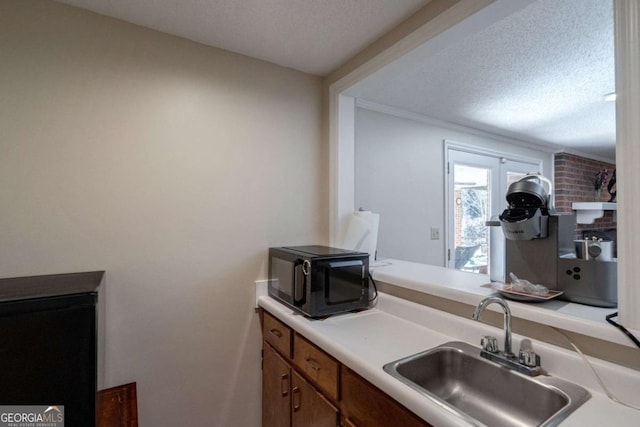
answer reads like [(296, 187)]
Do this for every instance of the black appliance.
[(318, 280), (49, 343)]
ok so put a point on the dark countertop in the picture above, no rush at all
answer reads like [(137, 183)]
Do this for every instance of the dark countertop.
[(21, 288)]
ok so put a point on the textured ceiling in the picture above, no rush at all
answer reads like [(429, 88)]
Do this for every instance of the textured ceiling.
[(534, 70), (314, 36), (537, 74)]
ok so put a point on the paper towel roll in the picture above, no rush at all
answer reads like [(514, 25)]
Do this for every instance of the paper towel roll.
[(362, 233)]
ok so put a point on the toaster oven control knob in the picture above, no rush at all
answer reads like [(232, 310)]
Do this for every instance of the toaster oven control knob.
[(306, 267)]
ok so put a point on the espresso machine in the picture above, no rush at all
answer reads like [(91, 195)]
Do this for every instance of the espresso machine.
[(541, 248), (591, 277)]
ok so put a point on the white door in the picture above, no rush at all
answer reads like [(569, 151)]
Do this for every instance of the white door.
[(476, 187)]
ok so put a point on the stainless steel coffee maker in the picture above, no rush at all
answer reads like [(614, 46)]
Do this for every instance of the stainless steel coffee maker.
[(527, 216), (540, 247), (591, 276)]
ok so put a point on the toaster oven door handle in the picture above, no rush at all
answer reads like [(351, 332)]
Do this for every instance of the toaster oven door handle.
[(300, 276)]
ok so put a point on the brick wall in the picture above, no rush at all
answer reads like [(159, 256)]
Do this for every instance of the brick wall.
[(573, 184)]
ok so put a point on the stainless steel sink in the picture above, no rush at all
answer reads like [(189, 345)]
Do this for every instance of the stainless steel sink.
[(485, 393)]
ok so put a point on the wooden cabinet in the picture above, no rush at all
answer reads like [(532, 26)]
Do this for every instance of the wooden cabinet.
[(348, 423), (364, 405), (276, 389), (310, 408), (288, 399), (317, 365), (305, 387), (277, 334)]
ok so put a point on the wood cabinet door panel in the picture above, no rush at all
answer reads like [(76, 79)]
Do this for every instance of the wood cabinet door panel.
[(365, 405), (276, 389), (309, 407), (348, 423)]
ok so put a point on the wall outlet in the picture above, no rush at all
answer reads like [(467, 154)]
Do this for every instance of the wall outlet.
[(435, 233)]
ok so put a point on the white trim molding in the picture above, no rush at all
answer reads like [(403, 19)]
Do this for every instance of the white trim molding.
[(627, 46), (409, 115), (342, 167)]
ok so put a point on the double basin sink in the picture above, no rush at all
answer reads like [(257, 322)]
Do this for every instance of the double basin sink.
[(484, 393)]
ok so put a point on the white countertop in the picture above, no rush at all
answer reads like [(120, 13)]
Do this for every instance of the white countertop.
[(396, 328), (467, 288)]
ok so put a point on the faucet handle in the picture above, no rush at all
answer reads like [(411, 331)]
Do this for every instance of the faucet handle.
[(489, 344), (529, 358)]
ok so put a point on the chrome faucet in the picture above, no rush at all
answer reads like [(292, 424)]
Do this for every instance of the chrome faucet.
[(507, 320), (527, 361)]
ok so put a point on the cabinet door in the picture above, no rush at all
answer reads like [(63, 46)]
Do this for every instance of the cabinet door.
[(365, 405), (276, 389), (348, 423), (310, 408)]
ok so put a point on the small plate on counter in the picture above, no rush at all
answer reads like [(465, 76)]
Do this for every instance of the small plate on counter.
[(505, 290)]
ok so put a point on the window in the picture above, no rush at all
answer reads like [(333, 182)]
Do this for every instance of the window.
[(477, 182)]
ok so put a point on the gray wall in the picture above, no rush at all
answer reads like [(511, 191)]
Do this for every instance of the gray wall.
[(172, 166), (400, 175)]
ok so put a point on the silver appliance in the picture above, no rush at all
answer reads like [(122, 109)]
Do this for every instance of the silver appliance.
[(537, 260), (540, 247), (588, 282), (527, 216), (592, 276), (594, 248)]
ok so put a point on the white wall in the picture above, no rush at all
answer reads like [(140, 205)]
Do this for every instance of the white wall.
[(399, 172), (172, 166)]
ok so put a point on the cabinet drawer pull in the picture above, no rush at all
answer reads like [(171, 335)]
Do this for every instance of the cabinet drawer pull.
[(284, 384), (276, 332), (295, 392), (313, 363)]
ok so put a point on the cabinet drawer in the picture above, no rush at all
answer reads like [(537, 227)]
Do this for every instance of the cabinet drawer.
[(277, 334), (317, 365)]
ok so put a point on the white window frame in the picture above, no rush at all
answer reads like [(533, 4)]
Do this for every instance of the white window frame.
[(496, 247)]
